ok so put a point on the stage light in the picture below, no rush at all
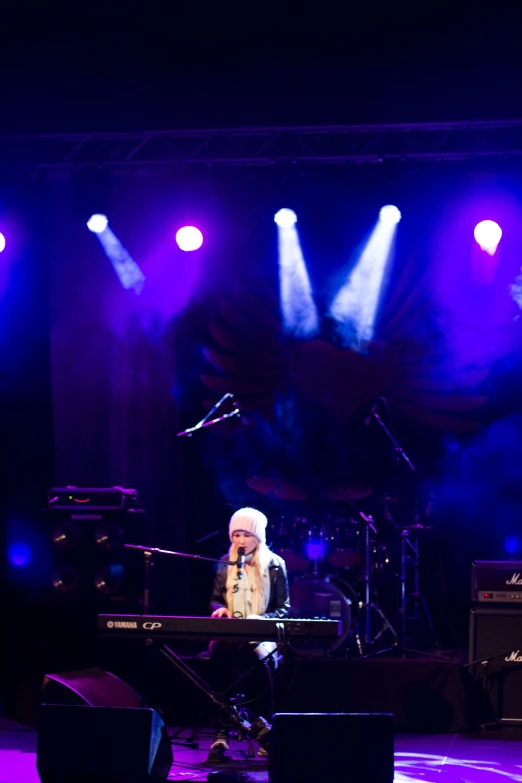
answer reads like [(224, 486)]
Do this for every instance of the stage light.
[(189, 238), (2, 242), (97, 224), (285, 218), (19, 554), (512, 545), (315, 549), (298, 308), (390, 214), (488, 234)]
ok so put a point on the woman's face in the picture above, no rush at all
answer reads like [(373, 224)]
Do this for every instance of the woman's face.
[(244, 539)]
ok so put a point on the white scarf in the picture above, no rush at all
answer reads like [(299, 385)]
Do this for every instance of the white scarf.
[(262, 557)]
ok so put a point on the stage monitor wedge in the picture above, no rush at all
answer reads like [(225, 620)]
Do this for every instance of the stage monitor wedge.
[(351, 747), (80, 744)]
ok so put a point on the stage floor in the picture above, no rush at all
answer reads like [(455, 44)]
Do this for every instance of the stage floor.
[(441, 758)]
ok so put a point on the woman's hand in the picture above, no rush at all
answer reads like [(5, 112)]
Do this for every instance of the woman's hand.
[(221, 612)]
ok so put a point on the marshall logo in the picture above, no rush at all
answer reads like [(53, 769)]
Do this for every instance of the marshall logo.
[(121, 624), (514, 657), (516, 579)]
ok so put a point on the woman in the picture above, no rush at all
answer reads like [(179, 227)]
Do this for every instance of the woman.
[(262, 591)]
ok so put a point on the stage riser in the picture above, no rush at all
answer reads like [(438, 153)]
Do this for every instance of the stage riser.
[(423, 695)]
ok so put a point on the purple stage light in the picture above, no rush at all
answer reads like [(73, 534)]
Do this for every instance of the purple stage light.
[(19, 554), (2, 242), (488, 234), (189, 238)]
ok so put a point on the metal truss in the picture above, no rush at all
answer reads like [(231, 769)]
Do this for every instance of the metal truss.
[(453, 141)]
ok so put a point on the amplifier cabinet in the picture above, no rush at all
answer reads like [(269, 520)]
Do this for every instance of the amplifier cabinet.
[(496, 581), (495, 641)]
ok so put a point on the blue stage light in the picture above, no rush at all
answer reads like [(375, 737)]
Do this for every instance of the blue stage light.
[(19, 554)]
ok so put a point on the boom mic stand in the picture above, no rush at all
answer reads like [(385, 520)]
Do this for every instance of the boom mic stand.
[(149, 551), (485, 677), (207, 422), (402, 646)]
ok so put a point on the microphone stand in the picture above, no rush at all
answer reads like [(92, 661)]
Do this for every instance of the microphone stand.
[(404, 540), (398, 448), (149, 551), (484, 676), (219, 699), (205, 420)]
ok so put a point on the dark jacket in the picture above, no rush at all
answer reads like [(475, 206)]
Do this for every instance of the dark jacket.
[(279, 602)]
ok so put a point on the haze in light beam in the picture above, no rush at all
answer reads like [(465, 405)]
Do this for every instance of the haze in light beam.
[(355, 305), (128, 271), (297, 303)]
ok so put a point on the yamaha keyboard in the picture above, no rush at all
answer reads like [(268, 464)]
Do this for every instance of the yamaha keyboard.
[(164, 627)]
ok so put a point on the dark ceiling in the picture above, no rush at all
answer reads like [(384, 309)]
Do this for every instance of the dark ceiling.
[(126, 66)]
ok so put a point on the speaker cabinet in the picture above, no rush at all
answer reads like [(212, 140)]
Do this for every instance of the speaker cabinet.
[(94, 728), (101, 744), (307, 747), (495, 642)]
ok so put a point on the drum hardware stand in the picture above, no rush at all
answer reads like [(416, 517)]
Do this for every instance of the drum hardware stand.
[(418, 598), (367, 604), (368, 523)]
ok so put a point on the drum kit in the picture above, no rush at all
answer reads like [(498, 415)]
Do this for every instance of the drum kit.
[(343, 564)]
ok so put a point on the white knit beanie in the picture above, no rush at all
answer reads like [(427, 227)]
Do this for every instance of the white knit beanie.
[(251, 520)]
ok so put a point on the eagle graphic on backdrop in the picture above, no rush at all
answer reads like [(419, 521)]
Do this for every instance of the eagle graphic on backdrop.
[(410, 361)]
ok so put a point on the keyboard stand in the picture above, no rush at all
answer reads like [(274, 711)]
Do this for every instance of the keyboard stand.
[(219, 699)]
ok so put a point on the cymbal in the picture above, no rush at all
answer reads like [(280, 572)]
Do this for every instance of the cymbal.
[(283, 490), (386, 500), (418, 527), (344, 490)]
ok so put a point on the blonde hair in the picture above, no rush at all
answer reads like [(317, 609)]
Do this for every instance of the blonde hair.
[(261, 559)]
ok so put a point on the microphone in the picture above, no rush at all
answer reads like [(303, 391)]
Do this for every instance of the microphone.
[(240, 561), (368, 419)]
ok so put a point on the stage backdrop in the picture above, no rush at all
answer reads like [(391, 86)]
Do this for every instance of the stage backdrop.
[(131, 367)]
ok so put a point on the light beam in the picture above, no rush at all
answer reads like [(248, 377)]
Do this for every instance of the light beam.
[(128, 271), (355, 305), (297, 304)]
